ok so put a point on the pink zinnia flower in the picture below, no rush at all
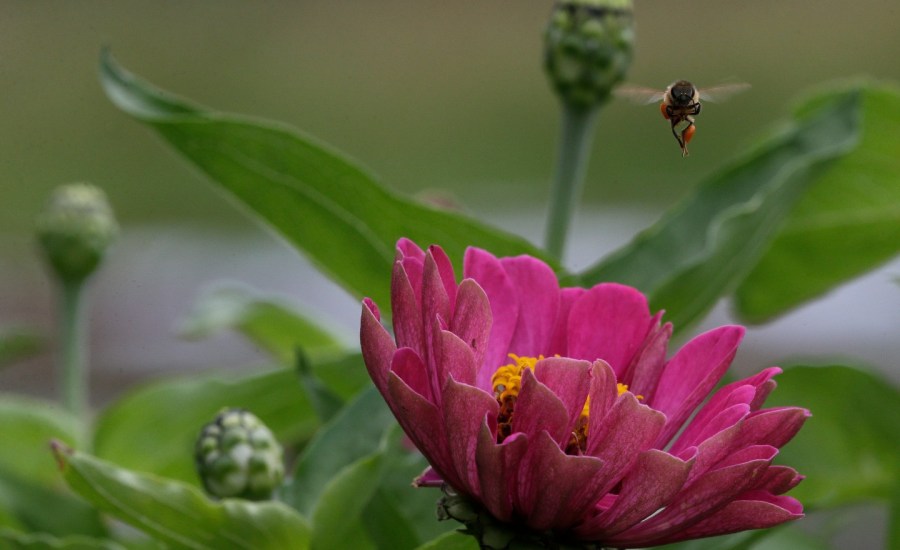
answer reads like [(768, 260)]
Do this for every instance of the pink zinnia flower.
[(556, 408)]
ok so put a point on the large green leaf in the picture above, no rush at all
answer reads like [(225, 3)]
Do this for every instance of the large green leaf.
[(847, 223), (354, 434), (320, 201), (706, 245), (26, 427), (179, 515), (453, 540), (13, 540), (848, 450), (29, 505), (153, 428), (266, 321)]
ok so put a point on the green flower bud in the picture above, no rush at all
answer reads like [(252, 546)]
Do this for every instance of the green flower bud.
[(587, 49), (237, 456), (75, 230)]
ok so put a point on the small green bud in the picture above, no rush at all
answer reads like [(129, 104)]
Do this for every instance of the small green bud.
[(75, 230), (237, 456), (588, 48)]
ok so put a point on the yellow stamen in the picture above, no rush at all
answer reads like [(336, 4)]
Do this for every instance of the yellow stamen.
[(507, 381)]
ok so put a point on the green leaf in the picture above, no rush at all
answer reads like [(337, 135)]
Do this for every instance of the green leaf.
[(453, 540), (354, 434), (153, 428), (321, 202), (385, 523), (343, 500), (707, 244), (28, 505), (42, 541), (180, 515), (325, 401), (848, 450), (267, 322), (26, 427), (16, 344), (846, 224)]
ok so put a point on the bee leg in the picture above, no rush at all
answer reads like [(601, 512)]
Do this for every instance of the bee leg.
[(677, 136), (686, 136)]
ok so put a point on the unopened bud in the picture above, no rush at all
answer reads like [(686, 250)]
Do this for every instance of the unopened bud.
[(237, 456), (588, 48), (75, 230)]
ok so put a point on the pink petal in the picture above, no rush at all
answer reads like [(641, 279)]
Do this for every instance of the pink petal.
[(428, 478), (472, 320), (779, 480), (773, 427), (737, 516), (407, 365), (689, 377), (466, 409), (556, 490), (609, 322), (423, 423), (569, 379), (456, 359), (604, 394), (412, 259), (498, 470), (435, 312), (377, 346), (559, 341), (704, 497), (538, 290), (628, 430), (538, 409), (486, 270), (445, 270), (406, 315), (654, 481), (699, 431), (643, 376)]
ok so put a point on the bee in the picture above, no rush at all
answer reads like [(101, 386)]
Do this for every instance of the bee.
[(680, 103)]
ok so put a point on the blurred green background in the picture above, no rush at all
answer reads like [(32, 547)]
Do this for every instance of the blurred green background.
[(429, 95)]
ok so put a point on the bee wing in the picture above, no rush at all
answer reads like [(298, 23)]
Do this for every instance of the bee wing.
[(722, 91), (639, 94)]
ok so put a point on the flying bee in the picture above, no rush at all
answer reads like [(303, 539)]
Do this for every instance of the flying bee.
[(680, 103)]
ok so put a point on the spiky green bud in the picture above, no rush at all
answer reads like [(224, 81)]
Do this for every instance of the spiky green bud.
[(237, 456), (75, 230), (588, 48)]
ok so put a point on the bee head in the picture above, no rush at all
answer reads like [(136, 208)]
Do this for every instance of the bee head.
[(682, 92)]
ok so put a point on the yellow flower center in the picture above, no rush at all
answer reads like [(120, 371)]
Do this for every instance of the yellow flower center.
[(507, 382)]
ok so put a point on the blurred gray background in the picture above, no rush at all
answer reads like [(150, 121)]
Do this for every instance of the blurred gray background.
[(429, 95)]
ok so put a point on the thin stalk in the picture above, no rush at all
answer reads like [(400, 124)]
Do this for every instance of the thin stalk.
[(73, 360), (568, 179)]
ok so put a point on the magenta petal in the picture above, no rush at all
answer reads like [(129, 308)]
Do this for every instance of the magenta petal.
[(445, 270), (538, 290), (498, 470), (604, 393), (377, 347), (538, 409), (486, 270), (569, 379), (774, 427), (779, 480), (407, 364), (435, 312), (456, 359), (704, 497), (559, 342), (423, 423), (412, 259), (472, 320), (408, 249), (405, 312), (556, 490), (710, 427), (694, 371), (643, 375), (609, 322), (651, 484), (737, 516), (428, 478), (466, 408), (628, 430)]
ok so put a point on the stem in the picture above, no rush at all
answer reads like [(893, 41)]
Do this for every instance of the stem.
[(568, 179), (73, 330)]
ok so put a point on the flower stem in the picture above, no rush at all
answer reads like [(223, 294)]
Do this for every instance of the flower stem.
[(568, 178), (72, 364)]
